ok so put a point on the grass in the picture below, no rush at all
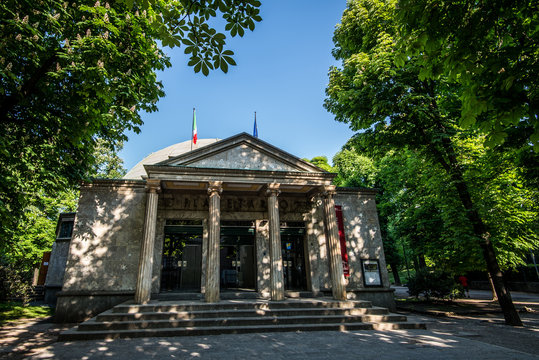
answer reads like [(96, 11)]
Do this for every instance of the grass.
[(15, 310)]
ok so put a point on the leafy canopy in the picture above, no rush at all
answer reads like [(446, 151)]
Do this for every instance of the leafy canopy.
[(491, 48), (389, 98), (73, 72)]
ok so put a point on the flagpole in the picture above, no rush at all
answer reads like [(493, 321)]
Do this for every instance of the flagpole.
[(192, 129), (255, 128)]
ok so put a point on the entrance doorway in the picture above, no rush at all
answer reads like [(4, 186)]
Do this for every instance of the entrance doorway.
[(181, 265), (237, 256), (181, 268), (292, 246)]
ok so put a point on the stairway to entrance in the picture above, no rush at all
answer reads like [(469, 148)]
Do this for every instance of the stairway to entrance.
[(193, 317)]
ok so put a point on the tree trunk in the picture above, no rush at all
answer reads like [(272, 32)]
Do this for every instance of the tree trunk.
[(492, 288), (447, 158), (421, 260), (416, 264), (396, 276), (454, 170)]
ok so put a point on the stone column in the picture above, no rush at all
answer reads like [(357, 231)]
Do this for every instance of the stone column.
[(214, 240), (144, 276), (276, 257), (338, 286)]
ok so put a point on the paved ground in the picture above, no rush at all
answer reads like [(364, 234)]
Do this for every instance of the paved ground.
[(460, 336)]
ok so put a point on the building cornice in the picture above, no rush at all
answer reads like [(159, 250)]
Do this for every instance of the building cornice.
[(357, 190), (113, 184), (168, 172)]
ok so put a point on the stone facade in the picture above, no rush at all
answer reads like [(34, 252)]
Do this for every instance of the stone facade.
[(103, 259), (117, 251)]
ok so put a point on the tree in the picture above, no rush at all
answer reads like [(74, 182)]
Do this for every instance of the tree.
[(108, 164), (36, 229), (354, 169), (397, 109), (75, 72), (491, 48), (321, 162)]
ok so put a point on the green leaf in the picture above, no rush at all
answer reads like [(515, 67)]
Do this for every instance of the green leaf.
[(205, 69), (224, 66), (229, 60)]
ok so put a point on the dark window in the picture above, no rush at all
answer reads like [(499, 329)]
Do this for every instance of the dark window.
[(66, 229), (183, 222)]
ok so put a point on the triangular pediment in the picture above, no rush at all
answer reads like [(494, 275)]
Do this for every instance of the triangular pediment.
[(243, 152)]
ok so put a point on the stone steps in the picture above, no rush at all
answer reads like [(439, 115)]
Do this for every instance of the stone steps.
[(164, 306), (235, 321), (188, 318), (218, 330), (108, 316)]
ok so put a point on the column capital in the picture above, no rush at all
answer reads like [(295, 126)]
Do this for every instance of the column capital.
[(273, 189), (153, 185), (329, 191), (215, 187)]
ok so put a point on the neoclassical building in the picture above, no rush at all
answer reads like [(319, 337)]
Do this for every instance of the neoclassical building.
[(235, 215)]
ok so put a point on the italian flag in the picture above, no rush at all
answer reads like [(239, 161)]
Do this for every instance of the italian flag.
[(194, 127)]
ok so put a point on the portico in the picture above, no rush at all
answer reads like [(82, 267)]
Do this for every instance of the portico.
[(257, 201)]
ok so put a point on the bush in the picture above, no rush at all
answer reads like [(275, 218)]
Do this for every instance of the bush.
[(15, 283), (432, 283)]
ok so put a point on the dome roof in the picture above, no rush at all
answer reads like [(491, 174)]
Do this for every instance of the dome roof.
[(137, 172)]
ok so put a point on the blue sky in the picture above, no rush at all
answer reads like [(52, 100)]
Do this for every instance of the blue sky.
[(281, 74)]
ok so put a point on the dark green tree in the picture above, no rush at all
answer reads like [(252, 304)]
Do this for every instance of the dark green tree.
[(398, 109), (75, 72)]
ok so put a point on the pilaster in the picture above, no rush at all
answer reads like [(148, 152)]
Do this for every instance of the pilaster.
[(276, 261), (214, 238), (144, 276), (338, 286)]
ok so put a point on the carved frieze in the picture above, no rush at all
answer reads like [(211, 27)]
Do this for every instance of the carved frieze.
[(231, 203)]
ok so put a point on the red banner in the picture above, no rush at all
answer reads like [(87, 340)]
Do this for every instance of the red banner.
[(342, 238)]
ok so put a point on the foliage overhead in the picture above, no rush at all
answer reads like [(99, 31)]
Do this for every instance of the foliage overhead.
[(491, 48), (75, 72), (190, 23)]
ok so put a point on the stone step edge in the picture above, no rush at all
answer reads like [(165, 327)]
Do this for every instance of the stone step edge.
[(392, 318), (245, 305), (366, 311), (73, 334)]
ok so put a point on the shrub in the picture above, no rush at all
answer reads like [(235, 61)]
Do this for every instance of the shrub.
[(15, 283), (432, 283)]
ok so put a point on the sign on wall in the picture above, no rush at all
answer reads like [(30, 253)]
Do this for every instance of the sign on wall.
[(371, 272)]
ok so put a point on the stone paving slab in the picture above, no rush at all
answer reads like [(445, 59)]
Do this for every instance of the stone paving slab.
[(414, 344)]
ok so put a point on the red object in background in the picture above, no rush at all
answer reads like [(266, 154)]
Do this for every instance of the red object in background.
[(342, 238), (43, 268)]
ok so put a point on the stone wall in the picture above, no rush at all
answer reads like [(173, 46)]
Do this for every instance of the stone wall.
[(317, 257), (101, 267), (55, 273), (362, 231)]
